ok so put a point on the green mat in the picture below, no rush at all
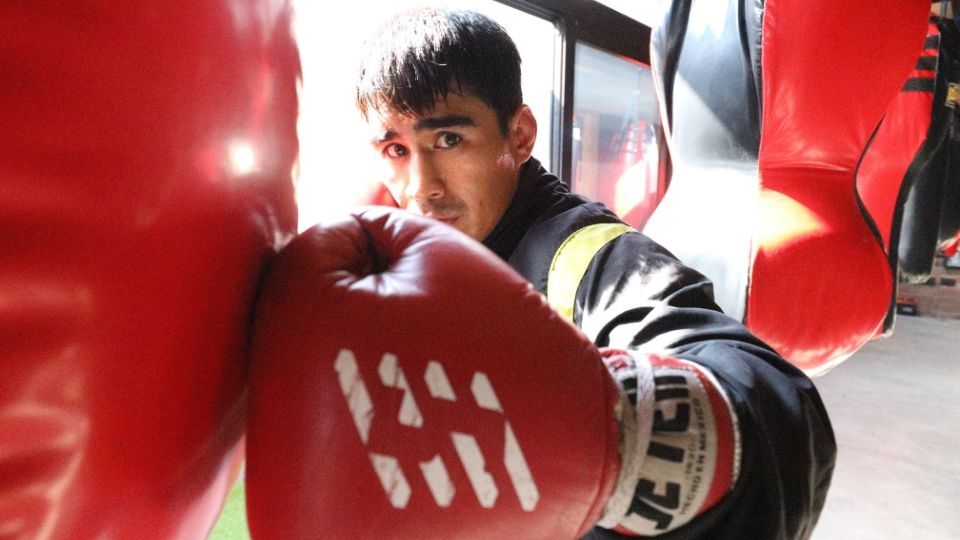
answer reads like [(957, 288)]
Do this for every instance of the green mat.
[(232, 524)]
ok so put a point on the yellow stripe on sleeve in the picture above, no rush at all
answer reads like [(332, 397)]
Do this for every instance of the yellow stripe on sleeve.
[(571, 260)]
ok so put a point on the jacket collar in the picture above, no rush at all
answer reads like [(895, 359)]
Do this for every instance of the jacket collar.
[(523, 209)]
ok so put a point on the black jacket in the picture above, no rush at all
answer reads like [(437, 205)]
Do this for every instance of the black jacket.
[(635, 295)]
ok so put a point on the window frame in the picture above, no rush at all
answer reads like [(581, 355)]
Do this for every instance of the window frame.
[(594, 24)]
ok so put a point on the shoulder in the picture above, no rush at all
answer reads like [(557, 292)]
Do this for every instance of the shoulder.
[(553, 225)]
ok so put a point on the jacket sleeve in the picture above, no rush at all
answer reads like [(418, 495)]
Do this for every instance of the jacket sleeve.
[(636, 296)]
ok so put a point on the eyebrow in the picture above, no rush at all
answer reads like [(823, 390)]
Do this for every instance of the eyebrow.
[(445, 121), (424, 124)]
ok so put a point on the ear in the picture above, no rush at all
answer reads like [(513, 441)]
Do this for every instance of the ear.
[(523, 133)]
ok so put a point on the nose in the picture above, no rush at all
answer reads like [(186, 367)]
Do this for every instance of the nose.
[(424, 181)]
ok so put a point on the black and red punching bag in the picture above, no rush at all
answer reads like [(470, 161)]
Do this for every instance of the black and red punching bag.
[(909, 173), (768, 107)]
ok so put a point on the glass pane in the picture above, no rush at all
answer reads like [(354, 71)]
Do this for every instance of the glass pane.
[(336, 163), (616, 142)]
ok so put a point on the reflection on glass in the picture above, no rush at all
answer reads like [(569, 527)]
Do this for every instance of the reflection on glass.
[(616, 149)]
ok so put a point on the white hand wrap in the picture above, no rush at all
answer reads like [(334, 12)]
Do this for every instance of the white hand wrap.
[(680, 444), (634, 377)]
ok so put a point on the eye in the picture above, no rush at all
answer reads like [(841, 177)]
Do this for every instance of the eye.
[(395, 151), (448, 140)]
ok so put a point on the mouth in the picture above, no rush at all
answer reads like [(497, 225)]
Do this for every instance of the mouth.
[(449, 220)]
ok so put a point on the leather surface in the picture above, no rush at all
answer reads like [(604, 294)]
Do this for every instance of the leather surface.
[(146, 151)]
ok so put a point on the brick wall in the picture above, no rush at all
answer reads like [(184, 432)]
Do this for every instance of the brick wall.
[(939, 296)]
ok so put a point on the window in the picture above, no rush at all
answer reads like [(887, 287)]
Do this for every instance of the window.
[(616, 134), (608, 139)]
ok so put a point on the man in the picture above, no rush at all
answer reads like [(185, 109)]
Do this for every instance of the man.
[(441, 91)]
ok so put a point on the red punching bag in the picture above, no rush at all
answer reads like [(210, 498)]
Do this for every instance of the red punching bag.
[(146, 151), (769, 106)]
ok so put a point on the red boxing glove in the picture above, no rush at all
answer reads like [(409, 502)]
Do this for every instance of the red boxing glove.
[(379, 195), (407, 383), (145, 158)]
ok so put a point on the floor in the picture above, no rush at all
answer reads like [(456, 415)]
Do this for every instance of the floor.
[(895, 408)]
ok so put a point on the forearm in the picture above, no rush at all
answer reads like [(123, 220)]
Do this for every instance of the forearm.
[(653, 306)]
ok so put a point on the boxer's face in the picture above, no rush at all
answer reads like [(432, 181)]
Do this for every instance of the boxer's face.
[(454, 164)]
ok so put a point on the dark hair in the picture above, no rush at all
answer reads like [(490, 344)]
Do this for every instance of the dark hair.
[(422, 55)]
